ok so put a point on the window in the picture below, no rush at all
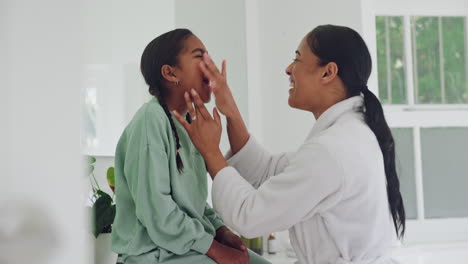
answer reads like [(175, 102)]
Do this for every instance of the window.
[(438, 59), (422, 83), (390, 60)]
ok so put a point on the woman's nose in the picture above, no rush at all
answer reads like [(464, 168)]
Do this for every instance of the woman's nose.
[(288, 69)]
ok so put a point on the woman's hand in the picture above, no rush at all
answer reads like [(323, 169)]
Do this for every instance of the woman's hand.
[(226, 255), (204, 131), (228, 238), (218, 85), (236, 128)]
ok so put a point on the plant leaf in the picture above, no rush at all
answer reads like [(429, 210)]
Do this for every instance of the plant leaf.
[(91, 159), (104, 214), (111, 177), (104, 194)]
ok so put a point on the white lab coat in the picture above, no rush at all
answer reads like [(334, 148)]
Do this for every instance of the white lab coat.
[(330, 194)]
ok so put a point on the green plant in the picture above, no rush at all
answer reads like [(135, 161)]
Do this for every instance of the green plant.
[(103, 209)]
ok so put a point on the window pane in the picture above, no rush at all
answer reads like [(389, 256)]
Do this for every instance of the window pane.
[(445, 172), (381, 58), (453, 29), (397, 60), (427, 60), (404, 149), (390, 59)]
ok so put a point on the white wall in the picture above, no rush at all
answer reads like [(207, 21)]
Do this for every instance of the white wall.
[(116, 33), (281, 26), (41, 212), (220, 25)]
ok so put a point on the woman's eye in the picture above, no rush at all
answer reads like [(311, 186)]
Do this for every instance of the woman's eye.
[(199, 56), (295, 60)]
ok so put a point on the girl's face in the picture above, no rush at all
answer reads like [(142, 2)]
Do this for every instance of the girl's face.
[(305, 75), (188, 70)]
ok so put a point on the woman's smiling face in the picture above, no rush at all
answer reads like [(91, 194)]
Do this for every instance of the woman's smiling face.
[(305, 74)]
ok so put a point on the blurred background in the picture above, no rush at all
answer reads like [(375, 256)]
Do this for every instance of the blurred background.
[(70, 83)]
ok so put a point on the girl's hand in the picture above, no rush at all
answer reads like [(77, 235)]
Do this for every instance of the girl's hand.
[(233, 256), (218, 85), (228, 238), (204, 131), (226, 255)]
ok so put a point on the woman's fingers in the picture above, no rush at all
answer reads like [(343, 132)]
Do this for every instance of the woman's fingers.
[(200, 107), (206, 71), (182, 121), (216, 116), (209, 75), (190, 107), (210, 64), (223, 69), (212, 72)]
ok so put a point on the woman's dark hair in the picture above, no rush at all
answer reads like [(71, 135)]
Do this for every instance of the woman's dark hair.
[(160, 51), (347, 49)]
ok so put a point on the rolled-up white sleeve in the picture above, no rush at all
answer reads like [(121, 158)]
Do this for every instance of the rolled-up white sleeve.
[(256, 164), (311, 182)]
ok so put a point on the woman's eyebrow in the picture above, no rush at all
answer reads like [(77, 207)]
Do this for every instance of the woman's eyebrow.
[(298, 53), (198, 49)]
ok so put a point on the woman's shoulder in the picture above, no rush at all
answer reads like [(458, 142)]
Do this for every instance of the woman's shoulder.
[(351, 142), (347, 130), (342, 138)]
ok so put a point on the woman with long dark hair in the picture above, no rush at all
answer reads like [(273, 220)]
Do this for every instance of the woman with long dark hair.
[(161, 183), (339, 193)]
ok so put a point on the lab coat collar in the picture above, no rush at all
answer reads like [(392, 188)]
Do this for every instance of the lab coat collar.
[(332, 114)]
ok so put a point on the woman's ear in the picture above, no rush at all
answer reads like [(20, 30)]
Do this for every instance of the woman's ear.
[(168, 73), (330, 72)]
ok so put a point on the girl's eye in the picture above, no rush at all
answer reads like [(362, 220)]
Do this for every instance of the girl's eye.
[(295, 60), (199, 56)]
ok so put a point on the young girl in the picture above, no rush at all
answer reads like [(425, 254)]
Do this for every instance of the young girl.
[(161, 179)]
